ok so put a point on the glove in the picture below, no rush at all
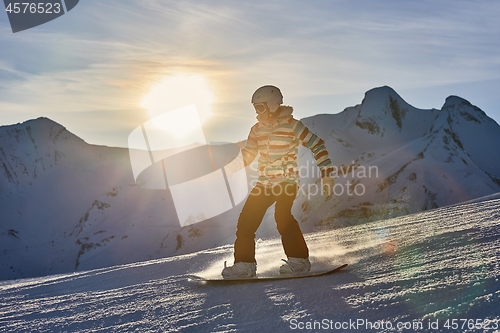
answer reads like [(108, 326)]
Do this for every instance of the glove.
[(327, 183)]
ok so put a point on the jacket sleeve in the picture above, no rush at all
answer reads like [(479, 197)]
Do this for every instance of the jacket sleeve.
[(245, 157), (316, 145)]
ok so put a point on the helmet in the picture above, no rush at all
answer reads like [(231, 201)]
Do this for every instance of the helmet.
[(267, 98)]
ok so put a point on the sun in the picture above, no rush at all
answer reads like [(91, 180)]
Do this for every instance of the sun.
[(176, 95)]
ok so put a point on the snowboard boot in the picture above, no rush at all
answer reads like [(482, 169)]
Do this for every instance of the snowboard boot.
[(294, 266), (240, 270)]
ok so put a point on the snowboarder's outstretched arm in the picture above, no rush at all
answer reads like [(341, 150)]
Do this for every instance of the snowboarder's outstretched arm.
[(245, 157)]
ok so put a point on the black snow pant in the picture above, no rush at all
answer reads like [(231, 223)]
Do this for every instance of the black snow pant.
[(259, 200)]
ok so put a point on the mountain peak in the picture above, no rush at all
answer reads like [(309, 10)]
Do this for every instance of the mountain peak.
[(379, 106), (459, 105), (377, 98), (42, 122), (383, 93), (456, 100), (42, 129), (381, 90)]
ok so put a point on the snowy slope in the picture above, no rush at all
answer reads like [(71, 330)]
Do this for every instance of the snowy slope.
[(66, 205), (428, 271)]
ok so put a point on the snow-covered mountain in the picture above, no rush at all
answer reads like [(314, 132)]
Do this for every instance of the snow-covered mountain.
[(66, 205), (403, 159), (435, 271)]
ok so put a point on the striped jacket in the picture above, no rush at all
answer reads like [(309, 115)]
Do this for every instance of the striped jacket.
[(277, 141)]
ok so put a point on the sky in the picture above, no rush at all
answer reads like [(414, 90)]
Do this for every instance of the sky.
[(91, 69)]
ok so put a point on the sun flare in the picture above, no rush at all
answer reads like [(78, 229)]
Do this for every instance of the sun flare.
[(173, 95)]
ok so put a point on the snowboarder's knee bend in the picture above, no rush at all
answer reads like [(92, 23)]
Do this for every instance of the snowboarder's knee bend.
[(286, 224)]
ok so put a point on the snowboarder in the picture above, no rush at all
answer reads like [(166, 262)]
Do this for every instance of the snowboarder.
[(275, 136)]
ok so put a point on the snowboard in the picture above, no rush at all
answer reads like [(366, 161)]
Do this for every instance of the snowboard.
[(315, 271)]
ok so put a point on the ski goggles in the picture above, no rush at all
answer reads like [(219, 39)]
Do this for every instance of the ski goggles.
[(260, 108)]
